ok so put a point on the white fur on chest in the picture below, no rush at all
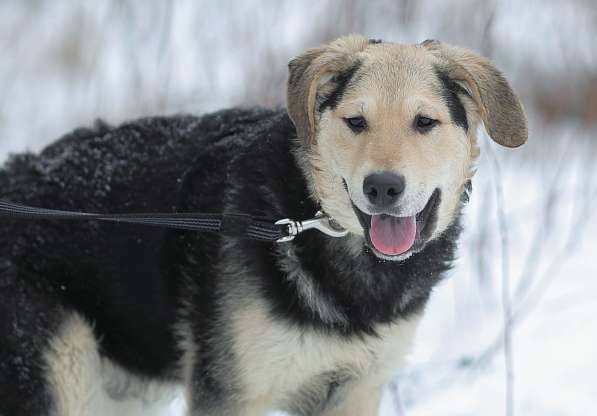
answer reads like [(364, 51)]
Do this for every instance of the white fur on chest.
[(277, 359)]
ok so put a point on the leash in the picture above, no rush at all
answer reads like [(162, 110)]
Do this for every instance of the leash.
[(236, 225)]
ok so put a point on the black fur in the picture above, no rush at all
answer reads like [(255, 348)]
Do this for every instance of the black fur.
[(341, 82), (131, 281), (450, 93), (28, 318)]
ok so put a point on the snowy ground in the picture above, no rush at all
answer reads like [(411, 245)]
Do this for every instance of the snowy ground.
[(66, 64)]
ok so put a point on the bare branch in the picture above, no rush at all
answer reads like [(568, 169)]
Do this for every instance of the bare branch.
[(506, 304)]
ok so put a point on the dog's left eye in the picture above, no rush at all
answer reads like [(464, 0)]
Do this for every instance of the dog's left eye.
[(424, 124), (356, 124)]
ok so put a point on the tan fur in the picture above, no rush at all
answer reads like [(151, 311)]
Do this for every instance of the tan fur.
[(84, 384), (396, 83), (189, 348), (73, 368), (362, 400), (276, 359)]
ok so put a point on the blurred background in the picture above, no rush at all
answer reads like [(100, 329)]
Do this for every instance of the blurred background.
[(513, 330)]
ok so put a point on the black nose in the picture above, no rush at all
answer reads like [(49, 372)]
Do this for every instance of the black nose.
[(384, 188)]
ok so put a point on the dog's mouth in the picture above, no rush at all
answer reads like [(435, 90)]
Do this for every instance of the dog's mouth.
[(394, 236)]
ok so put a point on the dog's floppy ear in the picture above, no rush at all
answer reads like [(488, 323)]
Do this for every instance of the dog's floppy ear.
[(313, 74), (499, 107)]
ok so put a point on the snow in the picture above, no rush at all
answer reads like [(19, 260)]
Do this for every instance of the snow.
[(65, 65)]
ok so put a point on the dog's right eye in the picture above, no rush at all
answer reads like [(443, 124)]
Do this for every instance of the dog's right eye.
[(356, 124)]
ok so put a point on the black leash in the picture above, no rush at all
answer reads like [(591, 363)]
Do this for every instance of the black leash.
[(236, 225)]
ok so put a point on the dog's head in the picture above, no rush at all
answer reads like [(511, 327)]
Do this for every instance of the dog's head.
[(389, 133)]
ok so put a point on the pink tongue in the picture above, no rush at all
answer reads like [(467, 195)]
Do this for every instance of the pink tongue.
[(392, 235)]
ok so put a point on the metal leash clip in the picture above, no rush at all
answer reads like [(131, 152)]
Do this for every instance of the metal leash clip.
[(321, 222)]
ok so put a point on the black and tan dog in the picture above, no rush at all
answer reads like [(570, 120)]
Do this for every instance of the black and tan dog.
[(380, 136)]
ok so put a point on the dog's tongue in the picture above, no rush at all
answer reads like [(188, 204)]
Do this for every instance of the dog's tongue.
[(392, 235)]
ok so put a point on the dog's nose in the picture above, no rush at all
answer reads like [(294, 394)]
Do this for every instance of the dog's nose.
[(384, 188)]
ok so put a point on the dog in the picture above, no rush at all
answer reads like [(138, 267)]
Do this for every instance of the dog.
[(380, 136)]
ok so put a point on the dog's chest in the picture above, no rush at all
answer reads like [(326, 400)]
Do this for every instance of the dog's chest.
[(279, 361)]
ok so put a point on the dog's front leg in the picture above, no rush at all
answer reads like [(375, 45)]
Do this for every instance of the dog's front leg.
[(362, 399), (221, 398), (227, 408)]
